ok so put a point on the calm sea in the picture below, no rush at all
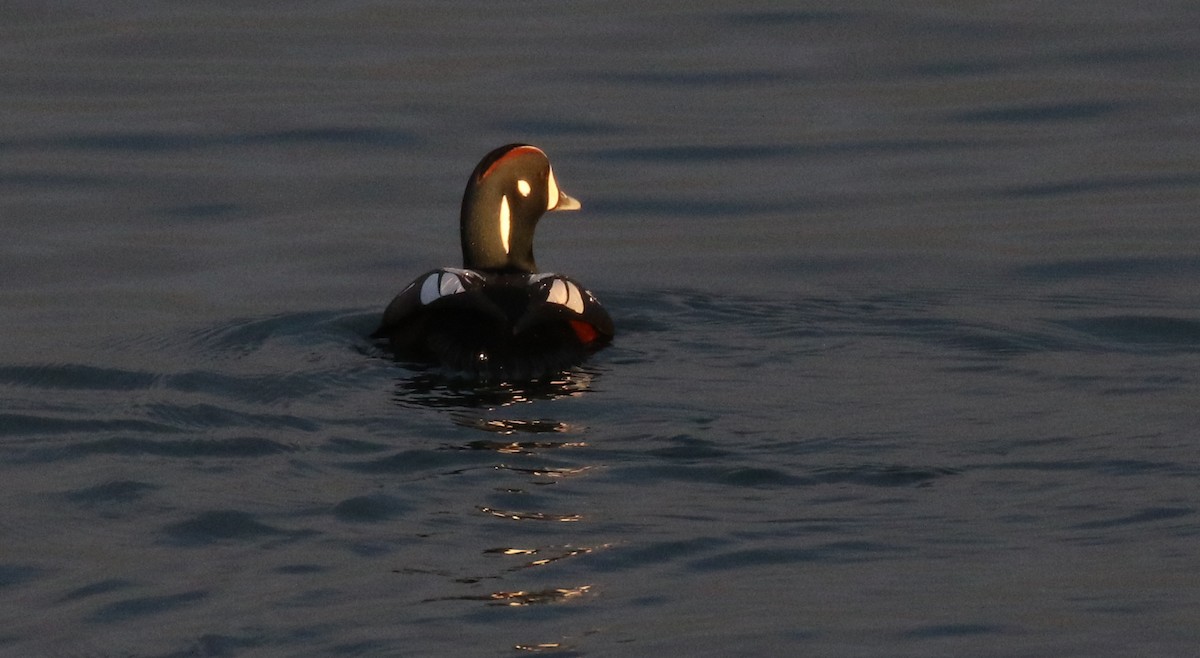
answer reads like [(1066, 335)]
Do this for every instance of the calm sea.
[(908, 309)]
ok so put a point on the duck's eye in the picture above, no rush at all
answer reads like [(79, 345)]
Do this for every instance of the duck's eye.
[(523, 187)]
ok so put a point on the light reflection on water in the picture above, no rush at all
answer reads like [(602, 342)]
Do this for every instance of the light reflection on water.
[(436, 390), (560, 553), (495, 409), (523, 598), (518, 447)]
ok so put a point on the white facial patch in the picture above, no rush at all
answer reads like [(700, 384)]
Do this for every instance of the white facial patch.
[(438, 285), (523, 187), (552, 194), (565, 293), (505, 222)]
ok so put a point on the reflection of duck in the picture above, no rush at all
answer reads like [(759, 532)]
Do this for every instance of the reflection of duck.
[(493, 409), (497, 317), (428, 389)]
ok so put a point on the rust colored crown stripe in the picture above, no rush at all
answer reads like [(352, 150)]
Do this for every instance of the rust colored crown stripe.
[(511, 154)]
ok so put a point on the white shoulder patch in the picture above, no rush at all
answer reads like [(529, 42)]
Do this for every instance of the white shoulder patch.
[(440, 284), (565, 293)]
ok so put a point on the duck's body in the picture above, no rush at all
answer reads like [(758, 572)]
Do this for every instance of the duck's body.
[(497, 317)]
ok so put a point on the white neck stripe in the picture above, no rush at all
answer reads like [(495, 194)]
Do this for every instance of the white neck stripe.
[(505, 223)]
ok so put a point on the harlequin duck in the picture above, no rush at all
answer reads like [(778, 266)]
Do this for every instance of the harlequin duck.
[(496, 317)]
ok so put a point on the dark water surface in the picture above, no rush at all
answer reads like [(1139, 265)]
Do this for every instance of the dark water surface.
[(908, 300)]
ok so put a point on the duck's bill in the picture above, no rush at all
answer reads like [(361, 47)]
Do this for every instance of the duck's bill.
[(567, 202)]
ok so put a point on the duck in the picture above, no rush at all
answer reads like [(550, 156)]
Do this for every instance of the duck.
[(498, 317)]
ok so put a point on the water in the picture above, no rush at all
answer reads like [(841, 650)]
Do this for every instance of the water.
[(906, 299)]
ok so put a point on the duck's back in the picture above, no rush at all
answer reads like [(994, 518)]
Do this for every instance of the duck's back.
[(496, 325)]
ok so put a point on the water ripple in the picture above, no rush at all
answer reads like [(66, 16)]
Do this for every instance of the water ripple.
[(1140, 331), (97, 588), (76, 377), (1039, 113), (523, 597), (836, 552), (16, 574), (171, 142), (952, 630), (246, 447), (1106, 467), (418, 461), (194, 416), (513, 515), (144, 605), (1100, 185), (518, 447), (371, 509), (882, 475), (220, 526), (691, 78), (725, 154), (23, 424), (542, 556), (117, 491), (1082, 269), (785, 18), (1149, 515)]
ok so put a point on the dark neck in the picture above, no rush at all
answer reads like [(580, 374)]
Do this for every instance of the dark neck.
[(482, 248)]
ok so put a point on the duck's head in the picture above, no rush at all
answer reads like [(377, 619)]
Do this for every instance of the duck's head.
[(509, 191)]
